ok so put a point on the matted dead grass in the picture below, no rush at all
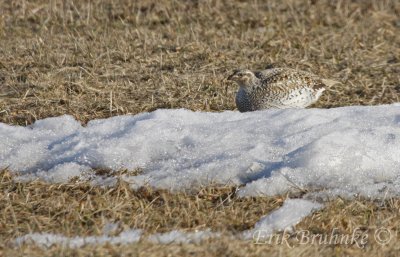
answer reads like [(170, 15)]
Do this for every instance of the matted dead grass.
[(96, 59), (79, 209)]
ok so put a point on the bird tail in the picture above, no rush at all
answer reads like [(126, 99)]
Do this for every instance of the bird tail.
[(330, 82)]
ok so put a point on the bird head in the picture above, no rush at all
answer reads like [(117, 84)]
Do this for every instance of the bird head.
[(243, 77)]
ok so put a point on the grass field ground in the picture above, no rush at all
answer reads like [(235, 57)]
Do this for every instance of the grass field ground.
[(97, 59)]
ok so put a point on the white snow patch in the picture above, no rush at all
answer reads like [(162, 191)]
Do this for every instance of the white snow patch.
[(344, 151), (177, 236), (60, 173), (284, 218), (336, 152), (48, 239), (130, 236)]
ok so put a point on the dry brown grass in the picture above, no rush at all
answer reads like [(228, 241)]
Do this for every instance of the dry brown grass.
[(73, 209), (79, 208), (96, 59)]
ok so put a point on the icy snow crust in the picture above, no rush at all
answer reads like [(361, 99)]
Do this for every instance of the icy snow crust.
[(343, 151), (48, 239), (291, 213), (336, 152)]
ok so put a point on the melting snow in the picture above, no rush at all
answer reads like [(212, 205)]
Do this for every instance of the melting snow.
[(177, 236), (291, 213), (343, 151), (127, 237), (48, 240), (327, 152)]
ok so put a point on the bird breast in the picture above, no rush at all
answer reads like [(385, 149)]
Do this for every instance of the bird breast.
[(242, 101)]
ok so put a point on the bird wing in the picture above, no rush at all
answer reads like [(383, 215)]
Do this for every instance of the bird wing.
[(282, 79)]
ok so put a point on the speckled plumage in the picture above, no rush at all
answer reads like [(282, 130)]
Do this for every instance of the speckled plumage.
[(276, 88)]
